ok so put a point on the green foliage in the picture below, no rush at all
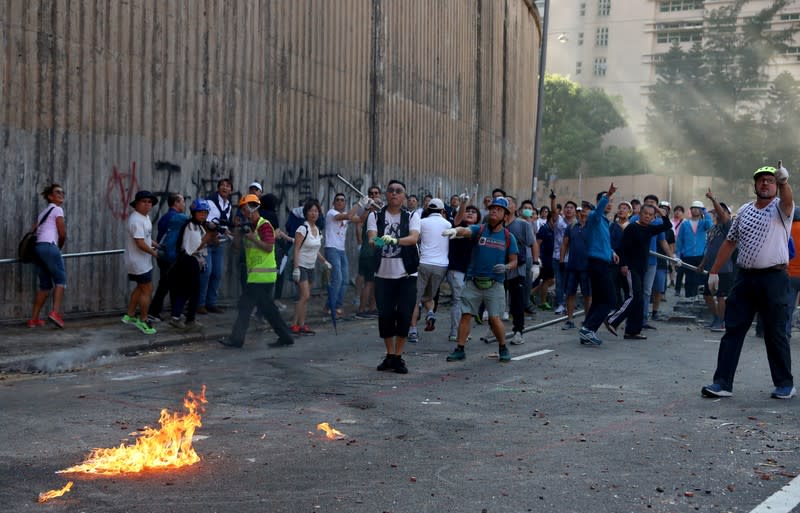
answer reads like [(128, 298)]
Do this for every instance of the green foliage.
[(713, 106), (574, 121)]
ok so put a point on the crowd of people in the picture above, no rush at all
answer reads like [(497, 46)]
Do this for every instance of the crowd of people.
[(500, 260)]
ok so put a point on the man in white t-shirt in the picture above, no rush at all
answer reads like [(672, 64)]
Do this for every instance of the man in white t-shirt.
[(760, 231), (139, 252), (394, 231), (433, 262), (336, 221)]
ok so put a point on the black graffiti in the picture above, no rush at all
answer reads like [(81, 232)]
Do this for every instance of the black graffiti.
[(168, 169)]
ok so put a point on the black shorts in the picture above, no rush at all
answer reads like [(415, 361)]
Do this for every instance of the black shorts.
[(546, 273), (367, 266)]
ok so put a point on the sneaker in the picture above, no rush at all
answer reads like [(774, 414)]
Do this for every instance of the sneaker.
[(457, 354), (387, 363), (784, 393), (193, 326), (35, 323), (127, 319), (569, 325), (610, 327), (715, 390), (215, 309), (281, 343), (505, 316), (362, 316), (503, 354), (56, 319), (530, 310), (229, 343), (281, 306), (412, 337), (648, 326), (176, 322), (560, 310), (451, 338), (589, 337), (545, 306), (153, 319), (718, 327), (305, 330), (517, 339), (654, 315), (399, 365), (485, 316), (144, 327), (711, 323), (430, 321), (295, 329)]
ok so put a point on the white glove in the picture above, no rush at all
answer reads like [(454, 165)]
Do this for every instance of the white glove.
[(500, 268), (388, 239), (713, 283), (328, 265), (451, 233), (364, 202), (296, 275), (782, 175), (678, 261), (535, 269)]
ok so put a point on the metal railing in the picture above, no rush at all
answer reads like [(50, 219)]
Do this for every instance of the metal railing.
[(73, 255)]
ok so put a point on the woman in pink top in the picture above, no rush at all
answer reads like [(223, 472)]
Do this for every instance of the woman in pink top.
[(51, 233)]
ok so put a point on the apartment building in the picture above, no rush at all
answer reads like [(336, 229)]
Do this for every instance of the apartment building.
[(614, 44)]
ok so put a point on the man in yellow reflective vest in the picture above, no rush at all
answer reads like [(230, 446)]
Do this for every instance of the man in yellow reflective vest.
[(258, 237)]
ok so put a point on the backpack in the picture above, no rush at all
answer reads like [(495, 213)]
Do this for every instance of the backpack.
[(168, 249), (293, 222)]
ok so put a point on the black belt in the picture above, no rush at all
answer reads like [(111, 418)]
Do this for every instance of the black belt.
[(774, 268)]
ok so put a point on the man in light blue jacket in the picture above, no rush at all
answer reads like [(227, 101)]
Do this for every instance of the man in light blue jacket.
[(691, 243)]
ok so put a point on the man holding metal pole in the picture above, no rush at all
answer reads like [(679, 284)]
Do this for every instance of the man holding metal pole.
[(760, 231)]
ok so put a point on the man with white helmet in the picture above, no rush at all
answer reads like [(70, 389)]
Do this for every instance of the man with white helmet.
[(691, 243), (760, 232)]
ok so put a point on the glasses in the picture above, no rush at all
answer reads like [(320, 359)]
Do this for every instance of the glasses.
[(338, 199), (375, 193), (58, 191), (395, 190)]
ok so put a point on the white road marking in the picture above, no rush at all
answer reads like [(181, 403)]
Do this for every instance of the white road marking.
[(782, 501), (531, 355)]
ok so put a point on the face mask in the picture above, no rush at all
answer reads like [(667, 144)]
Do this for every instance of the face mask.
[(526, 212)]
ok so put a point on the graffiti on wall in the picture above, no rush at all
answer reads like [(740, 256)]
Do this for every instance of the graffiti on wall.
[(120, 191)]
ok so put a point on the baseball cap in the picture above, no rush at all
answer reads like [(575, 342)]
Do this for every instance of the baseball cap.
[(436, 204), (250, 198), (256, 185)]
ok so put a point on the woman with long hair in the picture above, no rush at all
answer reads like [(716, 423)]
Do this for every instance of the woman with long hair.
[(307, 246), (51, 234)]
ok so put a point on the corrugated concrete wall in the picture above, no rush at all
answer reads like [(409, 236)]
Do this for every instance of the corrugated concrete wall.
[(107, 98)]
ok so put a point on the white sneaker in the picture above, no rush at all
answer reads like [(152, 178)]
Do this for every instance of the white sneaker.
[(560, 310), (505, 316), (517, 339), (485, 316)]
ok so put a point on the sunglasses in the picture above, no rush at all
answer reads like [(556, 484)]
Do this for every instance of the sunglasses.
[(395, 190), (58, 191)]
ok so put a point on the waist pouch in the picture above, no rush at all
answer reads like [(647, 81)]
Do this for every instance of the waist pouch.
[(483, 283)]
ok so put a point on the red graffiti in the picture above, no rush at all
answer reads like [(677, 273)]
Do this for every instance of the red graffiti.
[(120, 191)]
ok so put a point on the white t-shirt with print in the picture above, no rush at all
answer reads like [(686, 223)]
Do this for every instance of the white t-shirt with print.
[(136, 260), (391, 266), (762, 235), (335, 231), (310, 248), (433, 248)]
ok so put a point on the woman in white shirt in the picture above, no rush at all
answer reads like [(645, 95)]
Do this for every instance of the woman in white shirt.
[(51, 234), (307, 250)]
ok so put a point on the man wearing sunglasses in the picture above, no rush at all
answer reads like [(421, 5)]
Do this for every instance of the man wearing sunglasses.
[(336, 221)]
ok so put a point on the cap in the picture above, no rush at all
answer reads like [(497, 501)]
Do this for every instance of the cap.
[(142, 195), (436, 204), (664, 203), (579, 209), (256, 185), (587, 205), (500, 202), (250, 198), (697, 204)]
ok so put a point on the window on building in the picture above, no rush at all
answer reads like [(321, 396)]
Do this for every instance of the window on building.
[(600, 66), (583, 9), (601, 36), (578, 67), (679, 5), (679, 31), (790, 16), (580, 38), (603, 7), (793, 50)]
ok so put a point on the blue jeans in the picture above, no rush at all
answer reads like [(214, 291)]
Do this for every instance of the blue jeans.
[(50, 265), (340, 276), (210, 278), (794, 288), (647, 288), (765, 293), (559, 276)]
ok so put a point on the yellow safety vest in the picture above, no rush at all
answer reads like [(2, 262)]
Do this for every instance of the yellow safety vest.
[(261, 266)]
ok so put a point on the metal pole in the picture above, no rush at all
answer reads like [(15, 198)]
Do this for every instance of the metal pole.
[(73, 255), (538, 135)]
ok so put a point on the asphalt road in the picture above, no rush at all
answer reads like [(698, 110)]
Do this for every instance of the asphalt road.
[(617, 428)]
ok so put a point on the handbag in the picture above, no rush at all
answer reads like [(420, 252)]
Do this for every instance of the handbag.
[(27, 246)]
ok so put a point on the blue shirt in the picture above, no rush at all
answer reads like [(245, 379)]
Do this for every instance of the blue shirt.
[(691, 243), (576, 252), (597, 232), (163, 223), (490, 250)]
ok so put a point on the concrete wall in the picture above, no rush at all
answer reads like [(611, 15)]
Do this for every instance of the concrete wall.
[(107, 98)]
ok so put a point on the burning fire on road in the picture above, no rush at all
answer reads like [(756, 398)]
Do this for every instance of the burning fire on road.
[(168, 447), (330, 432), (52, 494)]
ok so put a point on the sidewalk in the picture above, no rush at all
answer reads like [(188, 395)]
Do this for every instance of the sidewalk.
[(51, 349)]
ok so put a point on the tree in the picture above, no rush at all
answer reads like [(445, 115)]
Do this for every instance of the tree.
[(574, 121), (704, 107)]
